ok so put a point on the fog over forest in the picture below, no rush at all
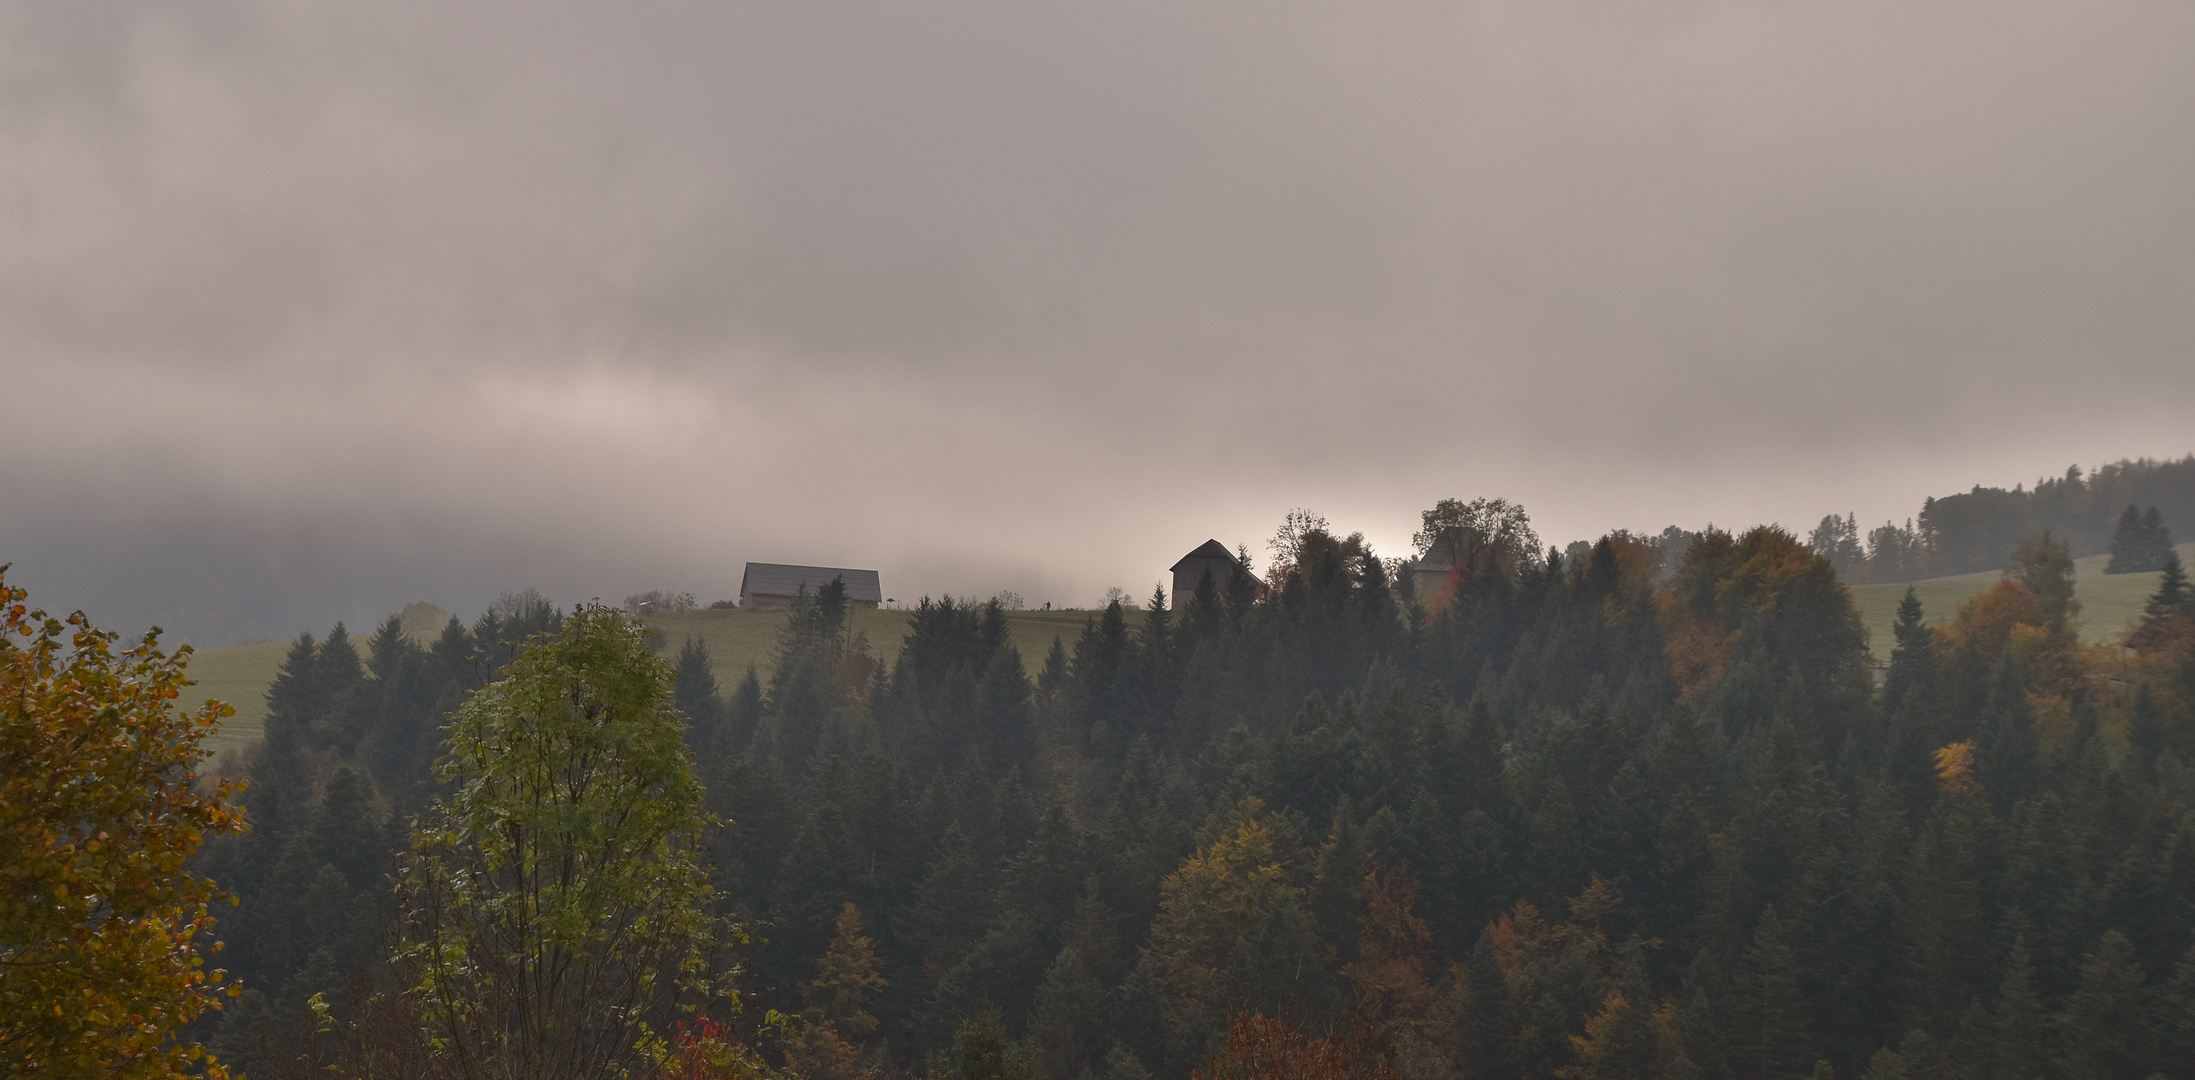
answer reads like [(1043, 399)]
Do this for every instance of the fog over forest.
[(309, 312), (1393, 540)]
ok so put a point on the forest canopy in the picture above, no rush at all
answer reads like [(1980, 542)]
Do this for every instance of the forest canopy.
[(1640, 811)]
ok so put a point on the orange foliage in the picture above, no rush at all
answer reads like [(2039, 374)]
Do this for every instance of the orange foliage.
[(103, 927), (1636, 563), (1392, 972), (1728, 587), (1522, 934), (1259, 1048), (1955, 768), (1697, 649), (1772, 566), (2164, 635), (1984, 624)]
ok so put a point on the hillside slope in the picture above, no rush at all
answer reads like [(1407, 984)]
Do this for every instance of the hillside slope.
[(2110, 603), (240, 674)]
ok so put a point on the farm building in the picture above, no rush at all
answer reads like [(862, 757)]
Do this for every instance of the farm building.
[(1430, 575), (774, 585), (1212, 556)]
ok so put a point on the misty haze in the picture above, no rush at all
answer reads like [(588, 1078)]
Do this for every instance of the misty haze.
[(1128, 541)]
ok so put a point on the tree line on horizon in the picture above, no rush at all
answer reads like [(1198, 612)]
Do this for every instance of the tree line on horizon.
[(1636, 811), (2126, 509), (1617, 815)]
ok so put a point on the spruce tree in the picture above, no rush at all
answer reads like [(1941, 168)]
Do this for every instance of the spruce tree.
[(2173, 1020), (1003, 721), (1621, 1041), (2130, 552), (294, 701), (2104, 1031), (1772, 1026), (2173, 596), (2156, 536), (1909, 654), (340, 674), (1337, 883), (1053, 679), (2005, 752), (2044, 565), (743, 713), (952, 906), (695, 692), (2018, 1025)]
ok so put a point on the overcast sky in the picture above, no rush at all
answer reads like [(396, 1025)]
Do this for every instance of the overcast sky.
[(310, 310)]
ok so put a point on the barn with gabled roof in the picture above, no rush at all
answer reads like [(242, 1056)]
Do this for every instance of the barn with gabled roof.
[(776, 585)]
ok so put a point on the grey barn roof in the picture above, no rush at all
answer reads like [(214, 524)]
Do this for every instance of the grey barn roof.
[(1210, 549), (784, 579)]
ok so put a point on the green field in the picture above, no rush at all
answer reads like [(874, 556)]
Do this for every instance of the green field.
[(2110, 603), (736, 638), (240, 674)]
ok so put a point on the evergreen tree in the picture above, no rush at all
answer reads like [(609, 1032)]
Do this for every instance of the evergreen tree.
[(2139, 543), (1097, 692), (1623, 1040), (695, 692), (1941, 914), (339, 673), (2044, 566), (2174, 1020), (1070, 1015), (2104, 1032), (952, 907), (1004, 725), (1336, 895), (982, 1050), (743, 713), (2129, 544), (2153, 528), (1909, 654), (1067, 1019), (1771, 1023), (2173, 596), (2018, 1025), (294, 701), (2005, 752)]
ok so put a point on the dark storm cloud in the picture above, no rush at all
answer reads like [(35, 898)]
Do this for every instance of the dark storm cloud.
[(307, 311)]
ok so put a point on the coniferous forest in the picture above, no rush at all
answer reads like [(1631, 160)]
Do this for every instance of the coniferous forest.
[(1603, 816)]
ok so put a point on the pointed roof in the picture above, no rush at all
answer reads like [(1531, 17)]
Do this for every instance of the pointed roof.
[(1210, 549)]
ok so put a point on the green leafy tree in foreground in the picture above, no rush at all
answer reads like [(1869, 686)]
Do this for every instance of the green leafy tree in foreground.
[(549, 896), (103, 930)]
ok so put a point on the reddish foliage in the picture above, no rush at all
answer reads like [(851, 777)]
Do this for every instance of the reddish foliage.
[(1261, 1048)]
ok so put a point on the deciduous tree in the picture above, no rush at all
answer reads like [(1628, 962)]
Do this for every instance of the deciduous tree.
[(104, 932), (549, 895)]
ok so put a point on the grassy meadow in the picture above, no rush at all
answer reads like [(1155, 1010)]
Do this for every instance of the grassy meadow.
[(2110, 603), (240, 674)]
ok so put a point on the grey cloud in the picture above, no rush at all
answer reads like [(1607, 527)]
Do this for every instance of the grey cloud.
[(306, 311)]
